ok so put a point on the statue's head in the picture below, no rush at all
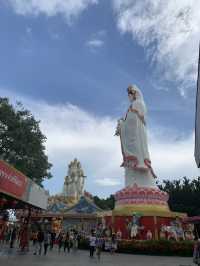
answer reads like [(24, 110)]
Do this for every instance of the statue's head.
[(131, 93), (134, 93)]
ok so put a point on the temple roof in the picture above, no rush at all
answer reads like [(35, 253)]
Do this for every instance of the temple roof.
[(58, 207), (84, 206)]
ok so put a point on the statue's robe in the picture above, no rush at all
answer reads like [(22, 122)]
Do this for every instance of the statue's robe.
[(133, 135)]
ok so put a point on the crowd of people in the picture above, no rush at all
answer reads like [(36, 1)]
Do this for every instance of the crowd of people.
[(41, 241), (98, 242), (14, 235), (47, 239), (70, 240)]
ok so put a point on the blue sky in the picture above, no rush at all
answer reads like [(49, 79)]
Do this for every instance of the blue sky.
[(74, 60)]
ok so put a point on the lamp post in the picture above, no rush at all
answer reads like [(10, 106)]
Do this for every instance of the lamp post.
[(197, 119)]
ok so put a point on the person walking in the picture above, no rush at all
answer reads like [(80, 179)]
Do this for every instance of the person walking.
[(34, 238), (67, 244), (71, 239), (75, 241), (40, 239), (53, 238), (13, 237), (4, 232), (92, 242), (47, 241), (113, 244), (24, 237), (196, 253), (99, 246), (60, 240), (79, 237), (35, 243), (8, 235)]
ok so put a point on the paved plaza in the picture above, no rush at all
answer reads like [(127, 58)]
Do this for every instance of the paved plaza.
[(81, 258)]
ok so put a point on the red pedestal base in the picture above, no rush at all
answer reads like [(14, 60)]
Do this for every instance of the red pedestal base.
[(149, 204), (152, 223)]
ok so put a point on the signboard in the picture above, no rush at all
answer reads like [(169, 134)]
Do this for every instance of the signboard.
[(37, 196), (19, 186), (12, 181), (197, 122)]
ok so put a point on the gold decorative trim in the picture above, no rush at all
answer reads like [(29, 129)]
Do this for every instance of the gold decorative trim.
[(146, 210)]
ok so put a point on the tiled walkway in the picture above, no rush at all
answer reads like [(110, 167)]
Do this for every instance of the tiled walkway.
[(81, 258)]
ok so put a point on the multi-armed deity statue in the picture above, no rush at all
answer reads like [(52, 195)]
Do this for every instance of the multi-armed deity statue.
[(74, 181)]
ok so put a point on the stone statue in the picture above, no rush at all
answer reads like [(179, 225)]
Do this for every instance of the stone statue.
[(163, 231), (133, 136), (81, 179), (74, 181), (189, 235), (178, 228), (149, 235), (119, 235), (134, 226)]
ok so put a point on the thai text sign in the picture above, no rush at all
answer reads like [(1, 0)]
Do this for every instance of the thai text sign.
[(12, 181)]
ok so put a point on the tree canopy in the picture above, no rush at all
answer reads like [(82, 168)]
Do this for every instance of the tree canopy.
[(22, 143), (105, 204), (184, 195)]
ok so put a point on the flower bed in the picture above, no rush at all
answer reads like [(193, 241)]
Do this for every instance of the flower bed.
[(152, 247)]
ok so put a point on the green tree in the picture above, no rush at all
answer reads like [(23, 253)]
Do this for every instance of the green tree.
[(22, 142), (184, 195), (105, 204)]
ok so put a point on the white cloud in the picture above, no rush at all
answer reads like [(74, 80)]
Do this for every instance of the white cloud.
[(67, 8), (95, 43), (72, 132), (169, 30), (172, 158), (28, 30), (106, 181), (97, 40)]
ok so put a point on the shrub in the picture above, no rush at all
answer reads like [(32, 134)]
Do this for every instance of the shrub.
[(151, 247), (156, 247)]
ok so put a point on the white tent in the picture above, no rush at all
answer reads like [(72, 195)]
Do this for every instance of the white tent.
[(197, 122)]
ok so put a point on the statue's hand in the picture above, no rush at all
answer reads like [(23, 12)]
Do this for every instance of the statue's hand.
[(117, 131)]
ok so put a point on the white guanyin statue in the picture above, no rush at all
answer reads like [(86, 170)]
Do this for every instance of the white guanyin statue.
[(133, 135)]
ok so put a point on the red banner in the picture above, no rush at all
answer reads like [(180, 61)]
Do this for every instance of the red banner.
[(12, 181)]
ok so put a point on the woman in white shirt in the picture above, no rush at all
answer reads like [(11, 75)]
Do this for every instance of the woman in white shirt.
[(92, 240)]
